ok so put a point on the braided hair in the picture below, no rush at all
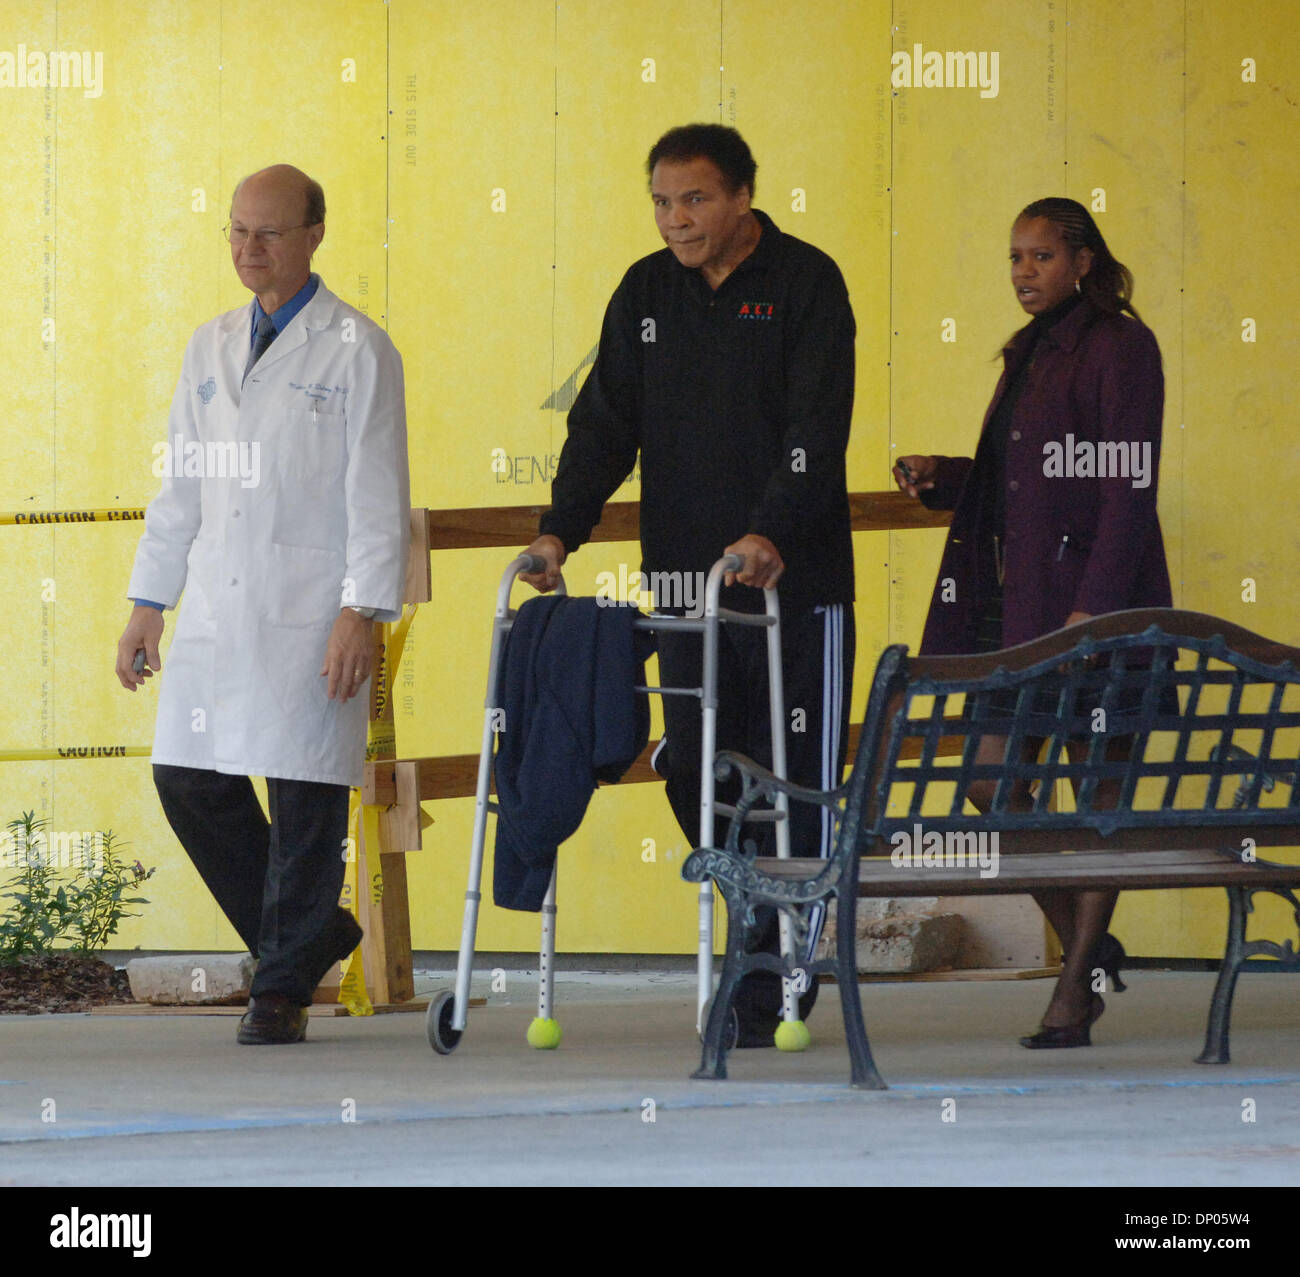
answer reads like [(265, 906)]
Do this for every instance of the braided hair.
[(1109, 283)]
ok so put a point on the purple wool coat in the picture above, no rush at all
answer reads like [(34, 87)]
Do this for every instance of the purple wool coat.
[(1081, 529)]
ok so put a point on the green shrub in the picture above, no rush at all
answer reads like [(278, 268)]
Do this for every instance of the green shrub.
[(79, 909)]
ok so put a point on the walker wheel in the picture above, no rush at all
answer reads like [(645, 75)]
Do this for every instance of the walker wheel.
[(437, 1023)]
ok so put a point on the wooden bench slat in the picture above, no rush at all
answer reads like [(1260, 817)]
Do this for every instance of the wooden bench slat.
[(1204, 837), (878, 876)]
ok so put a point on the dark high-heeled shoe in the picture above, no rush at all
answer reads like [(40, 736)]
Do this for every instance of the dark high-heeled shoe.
[(1066, 1035), (1107, 954)]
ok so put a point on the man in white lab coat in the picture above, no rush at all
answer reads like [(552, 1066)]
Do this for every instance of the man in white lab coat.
[(283, 521)]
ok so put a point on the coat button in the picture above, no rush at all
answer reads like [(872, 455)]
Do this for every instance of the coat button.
[(1014, 486), (234, 580), (235, 514), (1015, 434)]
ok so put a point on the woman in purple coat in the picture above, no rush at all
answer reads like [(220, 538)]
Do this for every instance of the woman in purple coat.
[(1054, 519)]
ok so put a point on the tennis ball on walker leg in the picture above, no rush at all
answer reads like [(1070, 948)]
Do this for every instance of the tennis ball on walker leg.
[(792, 1035), (544, 1034)]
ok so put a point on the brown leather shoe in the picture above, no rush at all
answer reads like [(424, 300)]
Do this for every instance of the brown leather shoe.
[(272, 1020)]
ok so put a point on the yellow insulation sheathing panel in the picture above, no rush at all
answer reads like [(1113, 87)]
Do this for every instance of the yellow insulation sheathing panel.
[(484, 175)]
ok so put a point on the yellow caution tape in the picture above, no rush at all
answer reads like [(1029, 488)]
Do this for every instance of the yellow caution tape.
[(352, 988), (395, 638), (381, 742), (75, 751), (29, 518)]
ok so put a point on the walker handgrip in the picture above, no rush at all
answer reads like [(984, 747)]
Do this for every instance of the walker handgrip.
[(530, 563), (713, 584)]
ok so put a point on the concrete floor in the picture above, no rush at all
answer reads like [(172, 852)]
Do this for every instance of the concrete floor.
[(172, 1100)]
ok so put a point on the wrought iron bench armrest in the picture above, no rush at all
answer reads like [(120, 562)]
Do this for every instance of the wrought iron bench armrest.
[(757, 783)]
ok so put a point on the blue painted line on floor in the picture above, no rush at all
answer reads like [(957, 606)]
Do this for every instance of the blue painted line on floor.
[(1078, 1084), (171, 1126), (744, 1095)]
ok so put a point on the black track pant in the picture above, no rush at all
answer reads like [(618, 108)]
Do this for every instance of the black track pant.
[(817, 668)]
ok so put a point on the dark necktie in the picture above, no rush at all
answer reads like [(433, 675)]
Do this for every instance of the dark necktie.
[(265, 336)]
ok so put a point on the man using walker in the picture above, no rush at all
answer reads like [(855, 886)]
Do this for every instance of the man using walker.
[(726, 360)]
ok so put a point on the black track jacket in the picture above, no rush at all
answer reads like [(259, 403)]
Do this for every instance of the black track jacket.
[(740, 403)]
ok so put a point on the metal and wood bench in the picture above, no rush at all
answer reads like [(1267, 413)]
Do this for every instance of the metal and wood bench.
[(1198, 791)]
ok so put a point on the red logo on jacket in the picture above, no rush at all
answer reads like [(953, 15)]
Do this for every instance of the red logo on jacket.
[(756, 310)]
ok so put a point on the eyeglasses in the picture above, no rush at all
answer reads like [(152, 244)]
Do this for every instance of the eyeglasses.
[(271, 235)]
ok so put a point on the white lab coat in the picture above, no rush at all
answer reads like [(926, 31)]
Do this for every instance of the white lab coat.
[(265, 566)]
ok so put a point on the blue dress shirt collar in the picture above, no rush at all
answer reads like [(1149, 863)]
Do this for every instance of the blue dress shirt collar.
[(281, 317)]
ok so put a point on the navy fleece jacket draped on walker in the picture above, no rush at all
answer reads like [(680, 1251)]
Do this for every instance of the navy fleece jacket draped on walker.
[(571, 719)]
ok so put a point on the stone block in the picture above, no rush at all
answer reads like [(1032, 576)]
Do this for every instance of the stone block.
[(208, 979), (895, 942)]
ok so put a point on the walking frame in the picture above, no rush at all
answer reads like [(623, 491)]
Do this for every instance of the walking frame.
[(448, 1010)]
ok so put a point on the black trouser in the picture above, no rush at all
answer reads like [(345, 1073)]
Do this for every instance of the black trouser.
[(278, 881), (817, 646)]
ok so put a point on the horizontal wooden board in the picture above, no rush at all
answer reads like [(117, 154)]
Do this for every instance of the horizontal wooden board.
[(968, 975), (1016, 874), (487, 526), (456, 775)]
